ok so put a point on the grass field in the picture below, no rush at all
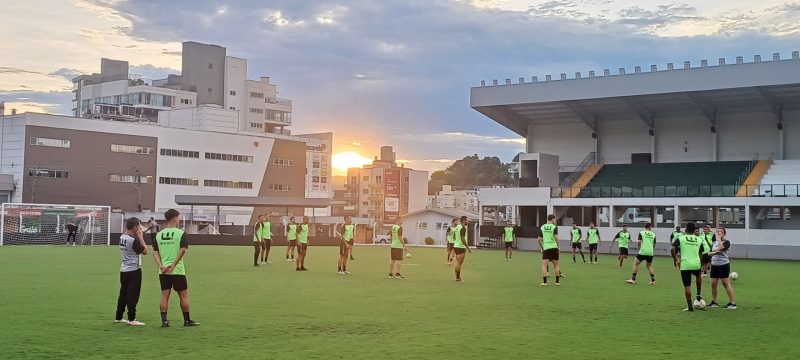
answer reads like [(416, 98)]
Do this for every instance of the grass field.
[(59, 303)]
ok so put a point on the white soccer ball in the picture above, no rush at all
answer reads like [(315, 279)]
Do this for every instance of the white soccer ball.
[(699, 304), (734, 275), (408, 254)]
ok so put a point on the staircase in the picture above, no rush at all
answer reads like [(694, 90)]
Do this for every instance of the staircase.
[(582, 175), (781, 172), (749, 186)]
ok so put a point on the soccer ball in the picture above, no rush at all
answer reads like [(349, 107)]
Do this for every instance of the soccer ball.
[(734, 275), (408, 254), (699, 304)]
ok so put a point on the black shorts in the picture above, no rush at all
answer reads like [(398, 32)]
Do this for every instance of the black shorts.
[(592, 247), (686, 276), (459, 251), (509, 244), (292, 242), (648, 258), (550, 254), (450, 246), (396, 254), (705, 259), (720, 271), (577, 245), (623, 251), (175, 282)]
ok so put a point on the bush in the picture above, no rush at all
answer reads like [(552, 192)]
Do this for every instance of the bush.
[(428, 240)]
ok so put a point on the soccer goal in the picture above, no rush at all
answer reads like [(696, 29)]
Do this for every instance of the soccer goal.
[(46, 224)]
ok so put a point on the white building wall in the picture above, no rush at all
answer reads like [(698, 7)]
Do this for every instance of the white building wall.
[(416, 235), (571, 141), (12, 152), (236, 82), (621, 138), (204, 118), (417, 190), (747, 136), (683, 139), (791, 132)]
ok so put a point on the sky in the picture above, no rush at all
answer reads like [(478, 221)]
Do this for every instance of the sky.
[(389, 72)]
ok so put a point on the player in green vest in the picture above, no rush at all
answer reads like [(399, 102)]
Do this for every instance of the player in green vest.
[(461, 246), (348, 231), (508, 238), (593, 238), (647, 242), (708, 241), (624, 238), (575, 235), (266, 239), (169, 249), (397, 249), (291, 238), (302, 246), (672, 237), (257, 241), (688, 248), (548, 242), (451, 240)]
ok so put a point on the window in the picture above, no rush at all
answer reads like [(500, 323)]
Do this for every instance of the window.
[(228, 184), (181, 153), (256, 95), (177, 181), (365, 191), (256, 111), (233, 108), (59, 143), (378, 179), (257, 125), (283, 162), (131, 149), (353, 179), (366, 178), (233, 92), (365, 203), (134, 179), (323, 179), (48, 173), (423, 226), (279, 187), (229, 157), (186, 101)]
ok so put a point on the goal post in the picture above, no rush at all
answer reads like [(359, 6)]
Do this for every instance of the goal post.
[(46, 224)]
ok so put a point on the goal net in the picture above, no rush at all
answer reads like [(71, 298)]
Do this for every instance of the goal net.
[(41, 224)]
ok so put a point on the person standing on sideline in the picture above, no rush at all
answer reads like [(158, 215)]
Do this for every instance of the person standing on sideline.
[(548, 242), (593, 238), (257, 239), (168, 251), (721, 269), (291, 237), (672, 237), (131, 246), (708, 240), (72, 231), (302, 250), (266, 239), (647, 241), (461, 246), (688, 248), (451, 240), (152, 229), (509, 237), (346, 244), (624, 238), (576, 234), (397, 249)]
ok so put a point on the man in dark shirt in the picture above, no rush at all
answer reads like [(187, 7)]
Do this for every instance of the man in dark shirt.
[(72, 230)]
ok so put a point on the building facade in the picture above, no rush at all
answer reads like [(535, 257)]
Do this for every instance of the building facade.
[(447, 198)]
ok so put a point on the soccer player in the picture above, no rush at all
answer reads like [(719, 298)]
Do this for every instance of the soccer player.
[(152, 229), (576, 241), (461, 246), (291, 237), (302, 250), (348, 234), (72, 230), (266, 239), (709, 239), (647, 241), (672, 237), (168, 250), (509, 237), (451, 240), (593, 238), (131, 246), (721, 269), (624, 239), (548, 242), (397, 251), (257, 239), (688, 248)]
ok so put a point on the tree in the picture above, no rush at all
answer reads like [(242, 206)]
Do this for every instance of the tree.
[(469, 172)]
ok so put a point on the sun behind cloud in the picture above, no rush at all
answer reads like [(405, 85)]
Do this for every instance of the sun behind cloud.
[(348, 159)]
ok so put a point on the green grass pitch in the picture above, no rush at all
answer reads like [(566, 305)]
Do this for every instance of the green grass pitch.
[(58, 302)]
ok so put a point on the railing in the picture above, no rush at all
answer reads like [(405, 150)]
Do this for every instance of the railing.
[(748, 169), (787, 190), (576, 174), (279, 101)]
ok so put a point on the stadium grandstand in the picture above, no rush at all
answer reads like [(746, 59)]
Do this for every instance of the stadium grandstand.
[(714, 144)]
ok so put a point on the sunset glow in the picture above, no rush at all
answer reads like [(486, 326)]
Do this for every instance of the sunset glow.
[(348, 159)]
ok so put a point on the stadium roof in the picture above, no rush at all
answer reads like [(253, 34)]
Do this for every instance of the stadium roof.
[(203, 200), (756, 87)]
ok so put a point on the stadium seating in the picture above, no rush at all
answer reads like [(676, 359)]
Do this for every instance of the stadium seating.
[(780, 173), (690, 179)]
